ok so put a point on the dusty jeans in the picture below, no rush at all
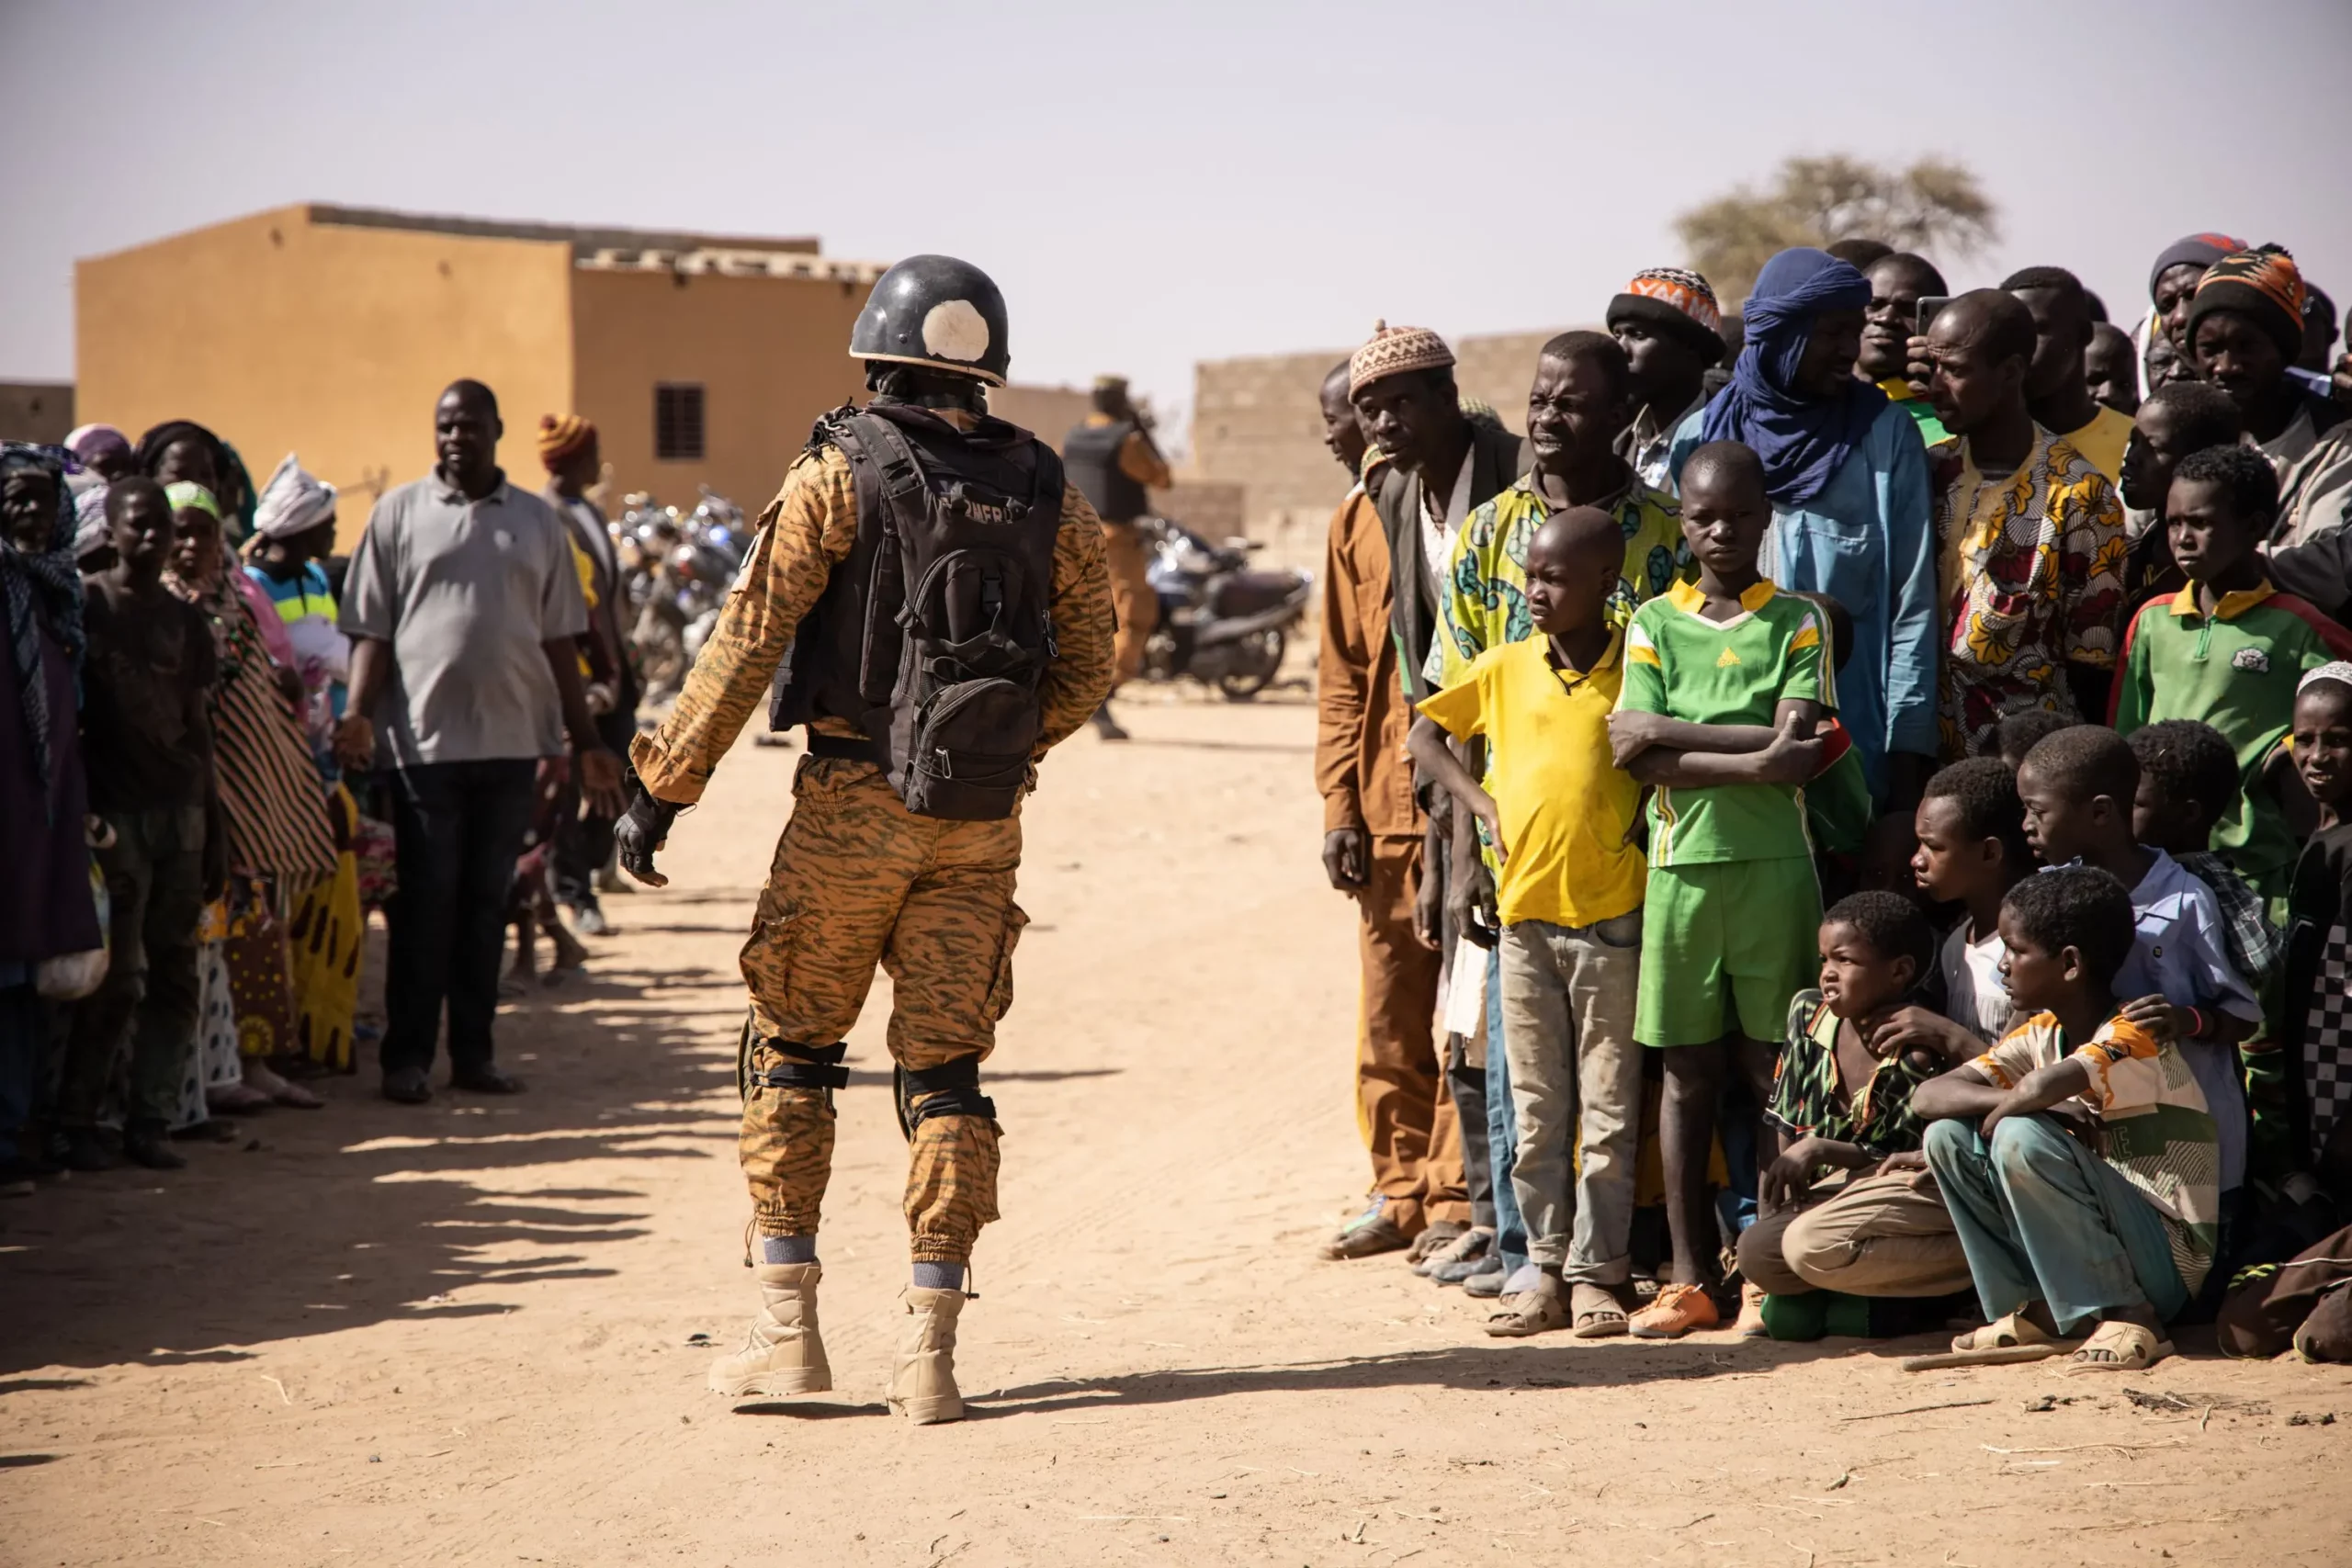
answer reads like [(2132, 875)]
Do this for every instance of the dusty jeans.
[(1576, 1086)]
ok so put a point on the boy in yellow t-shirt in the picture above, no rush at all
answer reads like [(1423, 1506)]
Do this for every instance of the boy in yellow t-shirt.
[(1569, 895)]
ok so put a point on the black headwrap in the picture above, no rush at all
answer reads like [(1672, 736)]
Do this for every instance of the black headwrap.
[(34, 583)]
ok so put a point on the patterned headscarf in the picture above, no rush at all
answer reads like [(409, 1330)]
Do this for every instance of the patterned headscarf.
[(1803, 440), (293, 501), (2262, 285), (49, 576)]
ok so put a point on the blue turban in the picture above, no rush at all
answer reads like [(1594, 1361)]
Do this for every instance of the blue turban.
[(1803, 440)]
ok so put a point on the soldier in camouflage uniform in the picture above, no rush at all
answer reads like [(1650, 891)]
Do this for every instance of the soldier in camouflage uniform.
[(859, 878)]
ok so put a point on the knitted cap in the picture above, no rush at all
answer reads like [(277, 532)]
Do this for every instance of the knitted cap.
[(1681, 302), (561, 437), (2203, 250), (1393, 351), (2262, 285)]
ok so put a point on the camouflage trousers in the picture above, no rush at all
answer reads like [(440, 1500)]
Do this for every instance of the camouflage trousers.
[(1137, 606), (859, 881)]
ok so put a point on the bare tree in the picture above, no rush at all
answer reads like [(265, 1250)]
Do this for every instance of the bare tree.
[(1934, 205)]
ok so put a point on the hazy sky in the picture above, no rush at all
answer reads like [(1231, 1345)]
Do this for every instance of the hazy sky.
[(1154, 186)]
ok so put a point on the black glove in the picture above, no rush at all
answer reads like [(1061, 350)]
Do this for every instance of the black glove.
[(643, 829)]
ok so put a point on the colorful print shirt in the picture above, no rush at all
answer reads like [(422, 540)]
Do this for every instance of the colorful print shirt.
[(1877, 1118), (2155, 1129), (1483, 604), (2032, 574)]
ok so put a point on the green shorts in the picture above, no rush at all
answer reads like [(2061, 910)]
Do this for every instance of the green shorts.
[(1724, 945)]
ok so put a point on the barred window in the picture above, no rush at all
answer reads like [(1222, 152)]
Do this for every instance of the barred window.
[(677, 421)]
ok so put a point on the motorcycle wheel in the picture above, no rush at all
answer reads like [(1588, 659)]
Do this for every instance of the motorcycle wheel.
[(1254, 662)]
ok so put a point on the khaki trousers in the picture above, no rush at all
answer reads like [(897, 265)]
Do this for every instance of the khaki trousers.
[(1879, 1235), (858, 881), (1136, 604), (1402, 1107)]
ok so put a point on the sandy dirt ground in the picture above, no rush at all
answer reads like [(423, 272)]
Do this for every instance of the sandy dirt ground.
[(476, 1332)]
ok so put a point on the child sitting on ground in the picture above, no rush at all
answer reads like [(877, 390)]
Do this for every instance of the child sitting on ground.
[(1724, 681), (2227, 649), (2077, 787), (2316, 1032), (1560, 815), (2059, 1236), (1841, 1104)]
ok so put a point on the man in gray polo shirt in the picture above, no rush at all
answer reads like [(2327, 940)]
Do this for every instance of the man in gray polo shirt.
[(463, 605)]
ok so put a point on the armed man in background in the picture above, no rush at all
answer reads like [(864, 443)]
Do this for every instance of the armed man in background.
[(925, 730), (1113, 462)]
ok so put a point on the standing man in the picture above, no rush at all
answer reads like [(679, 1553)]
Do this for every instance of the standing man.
[(574, 461), (1672, 332), (1111, 460), (464, 609), (2030, 571), (1848, 479), (905, 833), (2057, 385), (1441, 467), (1371, 850), (1898, 282)]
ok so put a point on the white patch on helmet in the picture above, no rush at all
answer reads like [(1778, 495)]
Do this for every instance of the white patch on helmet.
[(954, 329)]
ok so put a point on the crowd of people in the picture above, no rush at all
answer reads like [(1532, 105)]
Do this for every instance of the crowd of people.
[(222, 745), (1846, 814)]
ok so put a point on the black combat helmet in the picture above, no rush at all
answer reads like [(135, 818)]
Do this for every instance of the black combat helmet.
[(938, 311)]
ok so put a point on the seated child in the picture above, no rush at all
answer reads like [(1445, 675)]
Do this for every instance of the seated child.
[(2021, 732), (2189, 780), (1724, 681), (2060, 1237), (2227, 649), (1841, 1104), (2316, 1030), (1568, 893), (2077, 787)]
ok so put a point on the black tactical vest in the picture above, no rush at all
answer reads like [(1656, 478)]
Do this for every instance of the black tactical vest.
[(934, 636), (1091, 454)]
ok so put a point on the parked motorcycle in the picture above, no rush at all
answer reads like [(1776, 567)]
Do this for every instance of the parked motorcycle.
[(1221, 623), (677, 570)]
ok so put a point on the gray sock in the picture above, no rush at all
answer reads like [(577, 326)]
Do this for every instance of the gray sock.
[(787, 1250), (939, 1277)]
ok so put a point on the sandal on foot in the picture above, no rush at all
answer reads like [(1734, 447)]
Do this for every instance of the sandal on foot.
[(1594, 1312), (1459, 1258), (1539, 1311), (2120, 1347), (1435, 1236), (1370, 1232), (2015, 1337)]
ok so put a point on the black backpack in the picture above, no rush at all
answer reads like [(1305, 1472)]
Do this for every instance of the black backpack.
[(934, 634)]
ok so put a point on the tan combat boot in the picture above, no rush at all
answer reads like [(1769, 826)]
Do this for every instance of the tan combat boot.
[(782, 1354), (923, 1379)]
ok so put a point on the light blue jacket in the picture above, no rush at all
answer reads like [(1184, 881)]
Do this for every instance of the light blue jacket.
[(1866, 542)]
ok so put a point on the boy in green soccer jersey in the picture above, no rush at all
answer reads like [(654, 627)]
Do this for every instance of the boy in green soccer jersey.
[(2227, 649), (1724, 683)]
